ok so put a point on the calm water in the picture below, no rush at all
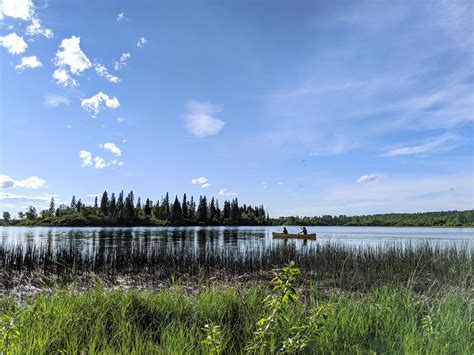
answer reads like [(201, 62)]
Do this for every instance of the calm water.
[(229, 238)]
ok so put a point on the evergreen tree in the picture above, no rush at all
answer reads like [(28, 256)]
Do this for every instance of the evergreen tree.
[(166, 207), (129, 206), (176, 212), (104, 203), (184, 206), (148, 207), (52, 209), (202, 210), (119, 207), (226, 210), (112, 205), (96, 204), (192, 210), (73, 202), (212, 211)]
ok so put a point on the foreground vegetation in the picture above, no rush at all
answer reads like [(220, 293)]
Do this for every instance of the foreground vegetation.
[(252, 319), (339, 266)]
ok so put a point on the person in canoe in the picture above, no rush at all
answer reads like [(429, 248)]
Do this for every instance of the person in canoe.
[(304, 231), (285, 231)]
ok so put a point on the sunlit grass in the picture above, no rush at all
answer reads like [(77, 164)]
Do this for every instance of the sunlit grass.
[(172, 321)]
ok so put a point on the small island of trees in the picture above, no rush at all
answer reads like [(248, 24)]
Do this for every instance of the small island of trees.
[(123, 211)]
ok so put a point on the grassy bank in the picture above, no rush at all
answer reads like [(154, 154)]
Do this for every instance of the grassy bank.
[(172, 321)]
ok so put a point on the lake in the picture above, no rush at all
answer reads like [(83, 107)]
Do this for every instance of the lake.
[(228, 238)]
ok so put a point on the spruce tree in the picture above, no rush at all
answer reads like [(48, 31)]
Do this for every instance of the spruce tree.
[(52, 208), (176, 212), (202, 210), (104, 203), (184, 206)]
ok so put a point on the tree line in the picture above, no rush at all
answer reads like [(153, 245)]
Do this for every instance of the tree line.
[(421, 219), (122, 210)]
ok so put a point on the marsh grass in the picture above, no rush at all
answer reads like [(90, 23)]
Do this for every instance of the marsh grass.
[(171, 321), (332, 265)]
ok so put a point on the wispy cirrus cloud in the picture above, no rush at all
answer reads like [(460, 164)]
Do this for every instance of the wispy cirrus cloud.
[(227, 192), (442, 143), (56, 100), (367, 178)]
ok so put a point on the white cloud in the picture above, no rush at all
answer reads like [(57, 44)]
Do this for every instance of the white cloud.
[(36, 29), (122, 62), (227, 192), (367, 178), (201, 121), (112, 148), (56, 100), (86, 158), (96, 103), (102, 71), (121, 17), (201, 181), (32, 182), (99, 163), (437, 144), (94, 195), (14, 43), (206, 185), (6, 196), (29, 62), (70, 60), (68, 126), (120, 119), (124, 141), (21, 9), (62, 77), (141, 42)]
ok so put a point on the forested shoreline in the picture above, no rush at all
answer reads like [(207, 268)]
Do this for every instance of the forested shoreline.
[(421, 219), (122, 210)]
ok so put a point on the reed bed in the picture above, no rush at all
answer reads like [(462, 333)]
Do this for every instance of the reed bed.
[(335, 265)]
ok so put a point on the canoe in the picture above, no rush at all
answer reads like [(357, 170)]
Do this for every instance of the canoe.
[(294, 236)]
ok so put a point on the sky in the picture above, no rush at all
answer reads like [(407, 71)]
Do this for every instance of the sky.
[(307, 107)]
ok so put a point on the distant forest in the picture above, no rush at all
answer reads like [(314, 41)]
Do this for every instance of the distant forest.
[(422, 219), (124, 211)]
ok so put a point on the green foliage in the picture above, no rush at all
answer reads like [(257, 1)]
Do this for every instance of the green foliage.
[(171, 321), (425, 219), (123, 212), (213, 339)]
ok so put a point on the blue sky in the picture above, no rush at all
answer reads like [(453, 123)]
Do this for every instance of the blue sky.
[(309, 107)]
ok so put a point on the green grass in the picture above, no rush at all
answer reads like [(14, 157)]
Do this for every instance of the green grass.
[(170, 321)]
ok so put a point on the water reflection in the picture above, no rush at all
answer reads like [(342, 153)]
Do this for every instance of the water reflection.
[(202, 240)]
